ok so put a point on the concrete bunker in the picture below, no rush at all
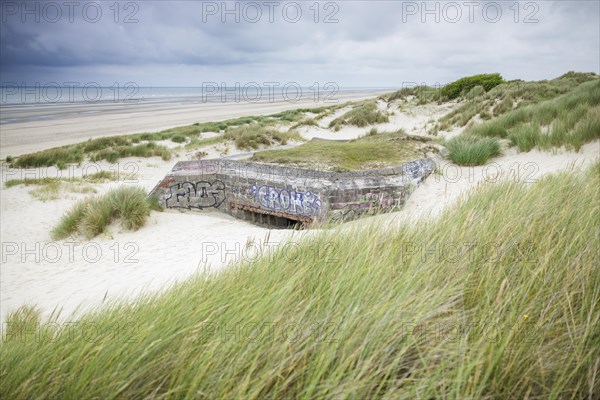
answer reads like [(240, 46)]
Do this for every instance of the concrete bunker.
[(284, 197)]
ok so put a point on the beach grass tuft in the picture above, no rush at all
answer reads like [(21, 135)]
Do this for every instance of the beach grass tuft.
[(91, 217), (472, 150)]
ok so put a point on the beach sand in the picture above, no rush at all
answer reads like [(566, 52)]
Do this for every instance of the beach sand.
[(53, 125)]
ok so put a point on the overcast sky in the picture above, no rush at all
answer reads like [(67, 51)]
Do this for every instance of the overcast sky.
[(351, 43)]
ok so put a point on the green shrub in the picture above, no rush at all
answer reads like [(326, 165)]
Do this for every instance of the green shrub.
[(178, 139), (464, 85)]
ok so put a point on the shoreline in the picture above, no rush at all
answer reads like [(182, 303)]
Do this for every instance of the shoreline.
[(74, 123)]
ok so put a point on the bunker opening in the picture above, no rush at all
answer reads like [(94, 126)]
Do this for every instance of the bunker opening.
[(271, 219)]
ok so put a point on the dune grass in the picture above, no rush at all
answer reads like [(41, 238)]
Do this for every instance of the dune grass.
[(178, 139), (91, 217), (497, 299), (362, 115), (374, 150), (472, 150), (570, 120), (110, 149), (510, 96), (59, 157), (250, 137), (305, 122)]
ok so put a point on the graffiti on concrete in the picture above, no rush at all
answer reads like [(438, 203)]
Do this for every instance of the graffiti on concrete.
[(198, 195), (380, 200), (289, 201)]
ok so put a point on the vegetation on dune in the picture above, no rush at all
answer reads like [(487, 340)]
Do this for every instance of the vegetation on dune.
[(570, 120), (178, 139), (305, 122), (374, 150), (465, 85), (523, 112), (424, 94), (150, 149), (46, 158), (472, 150), (113, 148), (511, 95), (299, 113), (253, 136), (498, 309), (110, 149), (362, 115), (91, 217)]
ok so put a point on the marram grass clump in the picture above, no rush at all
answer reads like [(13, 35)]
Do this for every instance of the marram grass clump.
[(497, 299), (472, 150), (91, 216)]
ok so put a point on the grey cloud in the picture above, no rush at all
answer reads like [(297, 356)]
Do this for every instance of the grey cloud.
[(370, 46)]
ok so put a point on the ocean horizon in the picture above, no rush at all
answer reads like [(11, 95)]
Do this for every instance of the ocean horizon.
[(13, 95)]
